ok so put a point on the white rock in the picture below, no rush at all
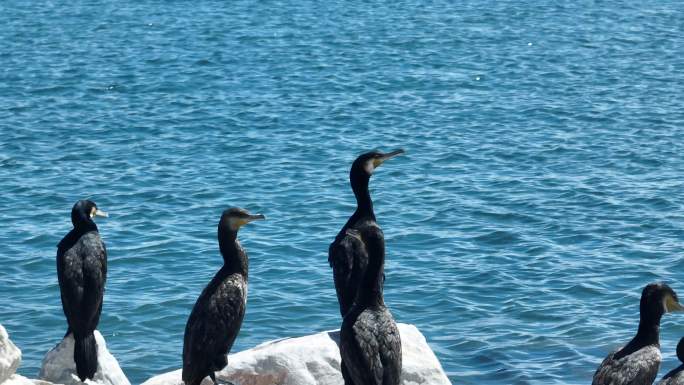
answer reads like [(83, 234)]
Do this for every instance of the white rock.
[(10, 359), (10, 356), (59, 366), (21, 380), (315, 360)]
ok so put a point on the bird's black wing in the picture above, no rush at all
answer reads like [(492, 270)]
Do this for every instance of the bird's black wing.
[(372, 348), (82, 272), (640, 367), (372, 345), (360, 348), (348, 258), (95, 277), (390, 349), (69, 276), (213, 325), (387, 334)]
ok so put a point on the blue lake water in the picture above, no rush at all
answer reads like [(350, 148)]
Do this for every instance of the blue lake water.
[(541, 190)]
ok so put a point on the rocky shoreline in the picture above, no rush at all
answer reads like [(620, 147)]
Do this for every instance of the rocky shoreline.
[(309, 360)]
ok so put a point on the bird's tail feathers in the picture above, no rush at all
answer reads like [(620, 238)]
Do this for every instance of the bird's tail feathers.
[(85, 356)]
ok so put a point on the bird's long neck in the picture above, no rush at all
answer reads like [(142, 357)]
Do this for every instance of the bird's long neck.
[(234, 257), (649, 329), (648, 333), (87, 227), (364, 204), (370, 289), (76, 233)]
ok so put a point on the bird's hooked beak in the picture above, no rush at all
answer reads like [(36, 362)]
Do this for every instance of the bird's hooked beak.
[(99, 213), (382, 159), (672, 304), (256, 217), (250, 218)]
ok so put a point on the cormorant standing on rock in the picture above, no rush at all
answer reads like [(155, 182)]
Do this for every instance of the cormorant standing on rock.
[(217, 316), (346, 254), (82, 272), (638, 362), (676, 376), (370, 344)]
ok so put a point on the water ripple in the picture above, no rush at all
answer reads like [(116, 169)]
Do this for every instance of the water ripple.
[(541, 189)]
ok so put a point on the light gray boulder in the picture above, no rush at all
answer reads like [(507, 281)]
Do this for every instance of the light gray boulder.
[(315, 360), (10, 359), (59, 366), (10, 356), (21, 380)]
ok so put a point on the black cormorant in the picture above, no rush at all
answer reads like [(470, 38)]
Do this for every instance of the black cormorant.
[(370, 344), (346, 254), (639, 360), (676, 375), (217, 316), (82, 272)]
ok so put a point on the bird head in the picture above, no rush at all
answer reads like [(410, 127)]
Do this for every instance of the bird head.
[(235, 217), (84, 211)]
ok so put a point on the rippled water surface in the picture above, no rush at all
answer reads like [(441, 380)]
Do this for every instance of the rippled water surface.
[(541, 190)]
